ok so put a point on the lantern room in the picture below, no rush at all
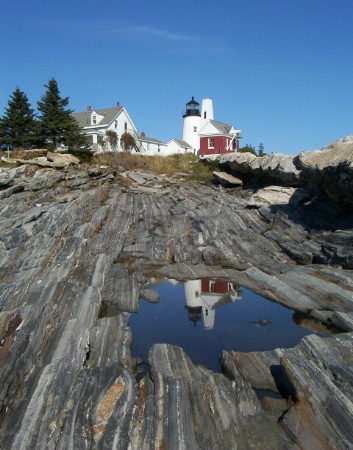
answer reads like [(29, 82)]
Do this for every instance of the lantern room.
[(192, 109)]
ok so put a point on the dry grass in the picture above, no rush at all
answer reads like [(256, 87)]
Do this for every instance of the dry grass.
[(25, 154), (168, 165)]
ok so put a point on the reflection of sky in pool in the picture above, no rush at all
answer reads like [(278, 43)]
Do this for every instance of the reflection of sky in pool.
[(207, 316)]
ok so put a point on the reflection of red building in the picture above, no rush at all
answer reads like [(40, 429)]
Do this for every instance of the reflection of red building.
[(215, 285), (204, 296)]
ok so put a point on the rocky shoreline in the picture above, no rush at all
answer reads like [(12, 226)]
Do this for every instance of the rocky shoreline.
[(75, 240)]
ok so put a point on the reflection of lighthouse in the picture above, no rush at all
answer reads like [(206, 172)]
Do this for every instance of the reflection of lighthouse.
[(206, 295)]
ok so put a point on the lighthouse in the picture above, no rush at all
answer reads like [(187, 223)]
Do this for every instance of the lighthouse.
[(194, 120), (192, 124)]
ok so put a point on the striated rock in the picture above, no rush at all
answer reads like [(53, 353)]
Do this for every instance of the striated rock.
[(142, 177), (10, 191), (235, 420), (316, 376), (77, 248), (136, 177)]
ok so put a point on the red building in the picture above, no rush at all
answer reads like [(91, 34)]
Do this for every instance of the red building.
[(218, 138)]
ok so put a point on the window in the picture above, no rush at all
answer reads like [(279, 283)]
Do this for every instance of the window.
[(116, 124), (94, 120), (204, 115), (210, 142), (125, 126), (212, 286), (195, 129), (159, 149)]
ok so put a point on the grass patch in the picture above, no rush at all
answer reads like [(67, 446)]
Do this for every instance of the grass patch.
[(20, 154), (25, 154), (168, 165), (188, 163)]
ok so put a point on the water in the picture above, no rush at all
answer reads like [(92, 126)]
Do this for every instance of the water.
[(207, 316)]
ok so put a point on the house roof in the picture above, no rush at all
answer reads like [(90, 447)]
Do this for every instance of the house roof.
[(181, 143), (149, 139), (84, 118), (221, 127)]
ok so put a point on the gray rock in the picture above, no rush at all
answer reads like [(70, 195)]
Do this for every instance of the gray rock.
[(150, 295), (271, 195), (137, 177), (343, 321), (226, 179), (42, 163), (62, 158), (11, 190)]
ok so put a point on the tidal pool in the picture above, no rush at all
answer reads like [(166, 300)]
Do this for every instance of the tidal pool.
[(207, 316)]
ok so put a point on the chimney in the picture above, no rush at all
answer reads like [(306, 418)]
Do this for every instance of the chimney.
[(118, 104), (143, 134), (89, 108)]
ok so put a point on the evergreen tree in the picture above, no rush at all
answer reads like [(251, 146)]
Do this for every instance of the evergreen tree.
[(56, 123), (18, 125), (74, 139), (261, 151)]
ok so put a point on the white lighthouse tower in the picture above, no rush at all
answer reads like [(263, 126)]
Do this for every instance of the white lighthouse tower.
[(206, 111), (192, 124)]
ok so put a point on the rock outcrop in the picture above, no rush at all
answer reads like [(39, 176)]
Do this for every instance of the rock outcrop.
[(330, 170), (271, 168), (76, 244)]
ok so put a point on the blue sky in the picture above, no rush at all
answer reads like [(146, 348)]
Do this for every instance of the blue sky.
[(279, 70)]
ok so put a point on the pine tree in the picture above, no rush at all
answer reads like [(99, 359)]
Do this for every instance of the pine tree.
[(56, 123), (18, 125), (261, 151)]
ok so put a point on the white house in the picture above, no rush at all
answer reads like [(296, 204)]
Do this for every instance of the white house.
[(152, 146), (176, 146), (96, 122)]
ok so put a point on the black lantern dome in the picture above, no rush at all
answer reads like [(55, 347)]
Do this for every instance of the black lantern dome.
[(192, 108)]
